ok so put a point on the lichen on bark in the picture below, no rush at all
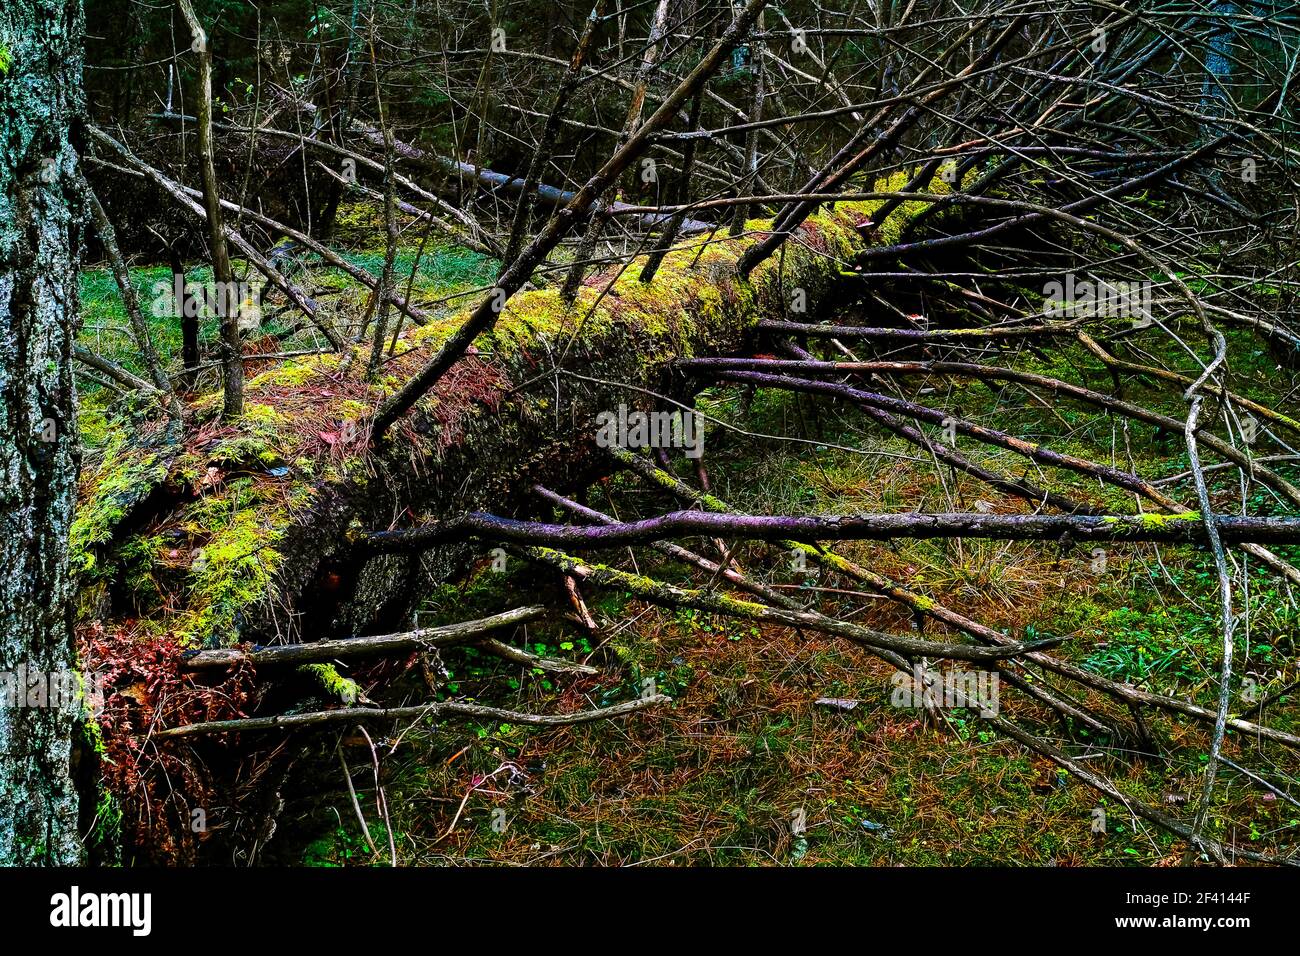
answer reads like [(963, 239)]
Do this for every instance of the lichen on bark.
[(41, 223)]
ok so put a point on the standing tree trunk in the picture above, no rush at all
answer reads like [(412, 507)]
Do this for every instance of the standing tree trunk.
[(188, 319), (223, 274), (41, 226)]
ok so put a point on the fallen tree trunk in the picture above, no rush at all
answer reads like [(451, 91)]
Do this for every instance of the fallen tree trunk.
[(1174, 529), (245, 525)]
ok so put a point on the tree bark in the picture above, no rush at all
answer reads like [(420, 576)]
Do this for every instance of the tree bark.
[(41, 231)]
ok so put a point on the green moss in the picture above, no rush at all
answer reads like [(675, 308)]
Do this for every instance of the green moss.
[(695, 290), (125, 476), (108, 819), (237, 559), (361, 218), (343, 688), (259, 440), (293, 373), (93, 423), (1153, 519), (139, 556), (350, 409), (217, 556), (686, 293)]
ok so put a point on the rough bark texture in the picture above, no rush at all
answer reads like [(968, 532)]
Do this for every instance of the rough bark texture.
[(41, 223)]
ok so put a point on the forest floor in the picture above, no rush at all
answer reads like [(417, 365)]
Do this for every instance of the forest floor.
[(745, 767)]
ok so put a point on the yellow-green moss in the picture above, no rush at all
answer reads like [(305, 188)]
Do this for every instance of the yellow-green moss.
[(1153, 520), (125, 476), (695, 287), (233, 569), (298, 371), (221, 549), (260, 439), (335, 684), (237, 533)]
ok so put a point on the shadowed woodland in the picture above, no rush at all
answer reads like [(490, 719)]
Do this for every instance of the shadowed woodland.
[(668, 432)]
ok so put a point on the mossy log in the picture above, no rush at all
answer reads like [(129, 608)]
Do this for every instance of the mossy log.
[(240, 532)]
